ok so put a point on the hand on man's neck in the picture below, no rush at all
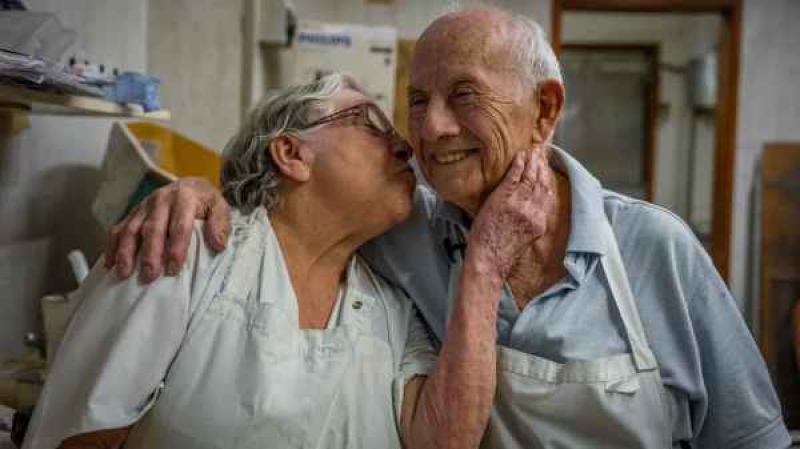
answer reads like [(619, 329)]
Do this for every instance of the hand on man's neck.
[(543, 266)]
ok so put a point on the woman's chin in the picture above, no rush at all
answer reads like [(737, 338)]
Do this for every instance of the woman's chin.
[(399, 210)]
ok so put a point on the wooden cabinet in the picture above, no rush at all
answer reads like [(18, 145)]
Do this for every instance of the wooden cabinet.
[(780, 272)]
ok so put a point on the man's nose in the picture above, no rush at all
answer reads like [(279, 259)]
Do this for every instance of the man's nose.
[(440, 122)]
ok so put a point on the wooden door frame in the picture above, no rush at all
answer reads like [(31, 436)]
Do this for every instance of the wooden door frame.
[(727, 96), (651, 113)]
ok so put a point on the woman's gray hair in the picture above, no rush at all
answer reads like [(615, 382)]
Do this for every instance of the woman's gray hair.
[(532, 54), (249, 177)]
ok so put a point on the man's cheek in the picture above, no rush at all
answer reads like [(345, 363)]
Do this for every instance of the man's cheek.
[(493, 168)]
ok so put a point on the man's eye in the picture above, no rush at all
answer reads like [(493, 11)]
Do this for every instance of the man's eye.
[(463, 94)]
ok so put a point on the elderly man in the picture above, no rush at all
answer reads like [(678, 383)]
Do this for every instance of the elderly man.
[(614, 329)]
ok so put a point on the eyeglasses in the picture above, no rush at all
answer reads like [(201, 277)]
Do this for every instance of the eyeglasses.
[(370, 116)]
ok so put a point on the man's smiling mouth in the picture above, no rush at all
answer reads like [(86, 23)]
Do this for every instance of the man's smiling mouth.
[(453, 157)]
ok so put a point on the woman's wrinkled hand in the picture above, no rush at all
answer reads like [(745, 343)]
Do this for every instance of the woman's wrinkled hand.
[(514, 215), (161, 228)]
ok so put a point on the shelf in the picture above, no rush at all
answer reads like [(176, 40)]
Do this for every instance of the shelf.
[(42, 102)]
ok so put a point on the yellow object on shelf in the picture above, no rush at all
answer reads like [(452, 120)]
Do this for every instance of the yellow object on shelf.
[(177, 154), (143, 156)]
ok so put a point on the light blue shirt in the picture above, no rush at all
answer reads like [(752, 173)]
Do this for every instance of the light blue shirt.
[(719, 385)]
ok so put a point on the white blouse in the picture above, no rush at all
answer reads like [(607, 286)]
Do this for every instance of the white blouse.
[(214, 357)]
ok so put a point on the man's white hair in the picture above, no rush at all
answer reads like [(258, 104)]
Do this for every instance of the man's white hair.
[(532, 53)]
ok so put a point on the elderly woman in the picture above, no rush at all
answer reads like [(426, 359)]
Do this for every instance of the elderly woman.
[(287, 339)]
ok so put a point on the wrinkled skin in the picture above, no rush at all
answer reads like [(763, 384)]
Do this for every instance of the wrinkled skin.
[(165, 218), (466, 100), (471, 111), (512, 218)]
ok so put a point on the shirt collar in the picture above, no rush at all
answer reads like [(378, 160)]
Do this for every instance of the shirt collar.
[(587, 212), (587, 215)]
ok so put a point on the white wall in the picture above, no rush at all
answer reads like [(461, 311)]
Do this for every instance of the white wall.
[(769, 110), (49, 173), (195, 48), (680, 38)]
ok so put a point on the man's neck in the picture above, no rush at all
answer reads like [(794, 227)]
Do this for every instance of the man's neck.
[(543, 265)]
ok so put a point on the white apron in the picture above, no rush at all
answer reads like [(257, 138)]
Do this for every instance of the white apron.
[(247, 377), (614, 402)]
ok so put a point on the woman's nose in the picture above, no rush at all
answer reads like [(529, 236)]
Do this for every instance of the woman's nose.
[(400, 148)]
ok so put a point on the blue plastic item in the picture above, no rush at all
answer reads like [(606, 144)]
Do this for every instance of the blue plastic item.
[(132, 87)]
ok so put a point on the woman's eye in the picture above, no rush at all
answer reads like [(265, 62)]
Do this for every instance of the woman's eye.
[(416, 102), (351, 120)]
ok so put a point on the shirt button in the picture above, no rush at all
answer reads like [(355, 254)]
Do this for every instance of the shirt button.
[(357, 305)]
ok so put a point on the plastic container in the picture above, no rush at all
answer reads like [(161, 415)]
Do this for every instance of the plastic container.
[(137, 88), (140, 157)]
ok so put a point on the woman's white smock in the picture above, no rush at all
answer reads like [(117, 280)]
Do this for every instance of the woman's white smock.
[(214, 357)]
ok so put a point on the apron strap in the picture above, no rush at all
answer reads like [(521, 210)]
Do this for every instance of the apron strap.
[(623, 297)]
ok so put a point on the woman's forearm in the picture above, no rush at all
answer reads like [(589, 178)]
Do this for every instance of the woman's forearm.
[(455, 401)]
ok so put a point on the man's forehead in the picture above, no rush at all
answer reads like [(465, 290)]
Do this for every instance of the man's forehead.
[(442, 75), (463, 36), (456, 61), (475, 19), (465, 40)]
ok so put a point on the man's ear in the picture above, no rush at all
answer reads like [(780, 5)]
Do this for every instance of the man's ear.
[(291, 157), (550, 99)]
